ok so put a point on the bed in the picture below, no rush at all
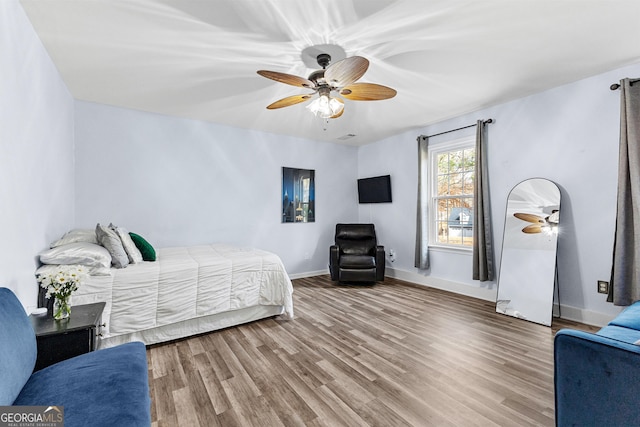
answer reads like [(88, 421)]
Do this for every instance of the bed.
[(187, 291)]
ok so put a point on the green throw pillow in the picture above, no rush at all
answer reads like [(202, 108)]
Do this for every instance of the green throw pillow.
[(145, 248)]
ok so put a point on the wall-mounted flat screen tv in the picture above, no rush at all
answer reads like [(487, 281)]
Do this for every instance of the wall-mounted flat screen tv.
[(376, 189)]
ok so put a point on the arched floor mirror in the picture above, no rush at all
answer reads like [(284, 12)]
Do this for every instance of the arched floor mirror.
[(528, 263)]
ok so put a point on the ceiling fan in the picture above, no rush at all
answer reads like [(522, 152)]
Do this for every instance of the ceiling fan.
[(338, 78), (539, 224)]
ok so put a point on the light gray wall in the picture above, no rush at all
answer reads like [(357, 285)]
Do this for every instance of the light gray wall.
[(36, 152), (181, 182), (569, 135)]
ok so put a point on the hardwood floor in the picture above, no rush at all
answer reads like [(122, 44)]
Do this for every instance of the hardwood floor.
[(393, 354)]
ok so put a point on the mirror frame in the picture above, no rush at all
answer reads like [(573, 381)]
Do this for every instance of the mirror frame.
[(526, 231)]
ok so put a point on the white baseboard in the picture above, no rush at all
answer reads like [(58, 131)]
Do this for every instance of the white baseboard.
[(308, 274), (567, 312), (582, 315), (445, 285)]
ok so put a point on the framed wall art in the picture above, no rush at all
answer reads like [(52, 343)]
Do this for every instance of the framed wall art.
[(298, 195)]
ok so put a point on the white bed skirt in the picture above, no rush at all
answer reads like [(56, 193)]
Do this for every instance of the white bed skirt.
[(195, 326)]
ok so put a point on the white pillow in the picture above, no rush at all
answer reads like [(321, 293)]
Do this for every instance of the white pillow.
[(83, 253), (135, 256), (47, 269), (110, 240), (76, 235)]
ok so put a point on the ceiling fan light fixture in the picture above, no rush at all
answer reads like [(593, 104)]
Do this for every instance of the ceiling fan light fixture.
[(336, 107), (325, 107)]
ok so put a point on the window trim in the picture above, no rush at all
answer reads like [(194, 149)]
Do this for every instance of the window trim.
[(434, 150)]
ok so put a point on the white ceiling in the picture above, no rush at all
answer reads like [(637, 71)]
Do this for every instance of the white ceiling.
[(198, 58)]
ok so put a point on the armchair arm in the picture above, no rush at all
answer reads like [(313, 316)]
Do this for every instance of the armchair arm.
[(596, 379), (334, 255), (380, 263)]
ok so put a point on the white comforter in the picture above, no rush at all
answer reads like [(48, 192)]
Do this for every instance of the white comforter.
[(186, 283)]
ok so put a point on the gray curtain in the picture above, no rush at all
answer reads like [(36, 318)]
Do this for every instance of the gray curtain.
[(422, 220), (624, 288), (482, 240)]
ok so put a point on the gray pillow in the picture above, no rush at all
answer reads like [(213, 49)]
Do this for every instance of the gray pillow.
[(110, 240), (127, 243)]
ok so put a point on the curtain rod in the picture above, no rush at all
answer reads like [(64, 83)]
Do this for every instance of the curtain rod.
[(616, 86), (454, 130)]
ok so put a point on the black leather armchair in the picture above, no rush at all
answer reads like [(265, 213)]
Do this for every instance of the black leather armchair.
[(356, 255)]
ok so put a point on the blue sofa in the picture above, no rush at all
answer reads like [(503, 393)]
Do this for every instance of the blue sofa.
[(103, 388), (597, 375)]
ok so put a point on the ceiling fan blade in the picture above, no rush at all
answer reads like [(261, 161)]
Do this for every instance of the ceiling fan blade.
[(335, 116), (289, 79), (367, 92), (532, 229), (529, 217), (288, 101), (347, 71)]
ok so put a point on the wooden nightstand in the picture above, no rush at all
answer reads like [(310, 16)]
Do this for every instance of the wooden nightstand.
[(62, 339)]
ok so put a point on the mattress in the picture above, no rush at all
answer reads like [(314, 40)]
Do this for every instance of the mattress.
[(186, 287)]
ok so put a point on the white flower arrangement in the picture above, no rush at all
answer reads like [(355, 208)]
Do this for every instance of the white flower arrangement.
[(61, 283)]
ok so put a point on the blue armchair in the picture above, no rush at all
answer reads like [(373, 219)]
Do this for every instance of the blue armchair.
[(103, 388), (597, 376)]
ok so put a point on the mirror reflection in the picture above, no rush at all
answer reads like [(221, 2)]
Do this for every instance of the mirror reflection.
[(528, 264)]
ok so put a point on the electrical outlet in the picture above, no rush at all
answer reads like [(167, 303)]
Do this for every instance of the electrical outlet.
[(603, 287)]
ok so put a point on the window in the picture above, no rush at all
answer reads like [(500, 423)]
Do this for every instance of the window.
[(451, 193)]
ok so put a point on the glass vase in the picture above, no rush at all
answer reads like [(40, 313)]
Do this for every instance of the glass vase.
[(62, 307)]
